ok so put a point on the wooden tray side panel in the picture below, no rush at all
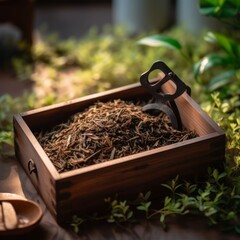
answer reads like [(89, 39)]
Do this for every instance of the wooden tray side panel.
[(25, 151), (84, 192), (192, 116)]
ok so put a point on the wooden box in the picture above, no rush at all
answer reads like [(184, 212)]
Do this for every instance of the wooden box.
[(85, 188)]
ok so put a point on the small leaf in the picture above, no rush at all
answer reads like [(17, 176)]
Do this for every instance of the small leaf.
[(147, 195), (231, 215), (209, 61), (167, 200), (219, 8), (207, 11), (114, 202), (111, 220), (221, 80), (167, 186), (118, 215), (215, 174), (162, 218), (141, 208), (237, 229), (130, 214), (148, 204), (228, 44), (222, 175), (6, 137), (144, 206), (160, 41)]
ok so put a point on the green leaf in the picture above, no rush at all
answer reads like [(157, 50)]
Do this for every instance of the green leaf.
[(207, 11), (219, 8), (167, 186), (160, 41), (167, 200), (210, 7), (221, 80), (215, 174), (141, 208), (162, 218), (228, 12), (237, 229), (130, 214), (228, 44), (222, 175), (209, 61), (6, 137)]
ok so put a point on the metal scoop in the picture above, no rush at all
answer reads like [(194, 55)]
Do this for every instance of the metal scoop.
[(162, 99)]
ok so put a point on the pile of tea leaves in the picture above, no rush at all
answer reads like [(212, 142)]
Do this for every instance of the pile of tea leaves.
[(107, 131)]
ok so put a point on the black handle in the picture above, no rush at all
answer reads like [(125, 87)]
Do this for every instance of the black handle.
[(162, 98), (181, 87)]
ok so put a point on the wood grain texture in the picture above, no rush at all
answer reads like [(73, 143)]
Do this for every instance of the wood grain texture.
[(192, 116), (84, 189)]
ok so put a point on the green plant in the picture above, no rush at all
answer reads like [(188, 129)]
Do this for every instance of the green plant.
[(225, 60), (75, 68), (143, 203), (97, 62), (227, 11), (9, 106), (226, 113), (23, 68), (180, 53), (119, 211), (161, 40), (76, 222)]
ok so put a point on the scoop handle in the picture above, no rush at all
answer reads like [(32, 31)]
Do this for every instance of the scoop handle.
[(9, 215)]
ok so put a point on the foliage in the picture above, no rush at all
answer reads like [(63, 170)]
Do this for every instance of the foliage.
[(9, 106), (227, 114), (94, 63), (120, 211), (98, 62), (224, 60), (227, 11), (227, 59), (63, 70), (76, 222), (161, 41), (217, 200)]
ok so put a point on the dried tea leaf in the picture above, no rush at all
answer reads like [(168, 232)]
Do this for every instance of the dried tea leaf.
[(107, 131)]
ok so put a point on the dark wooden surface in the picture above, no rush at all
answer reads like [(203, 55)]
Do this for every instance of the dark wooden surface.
[(14, 180)]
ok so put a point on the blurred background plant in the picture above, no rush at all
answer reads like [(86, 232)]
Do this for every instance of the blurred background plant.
[(223, 63), (220, 68), (214, 63)]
